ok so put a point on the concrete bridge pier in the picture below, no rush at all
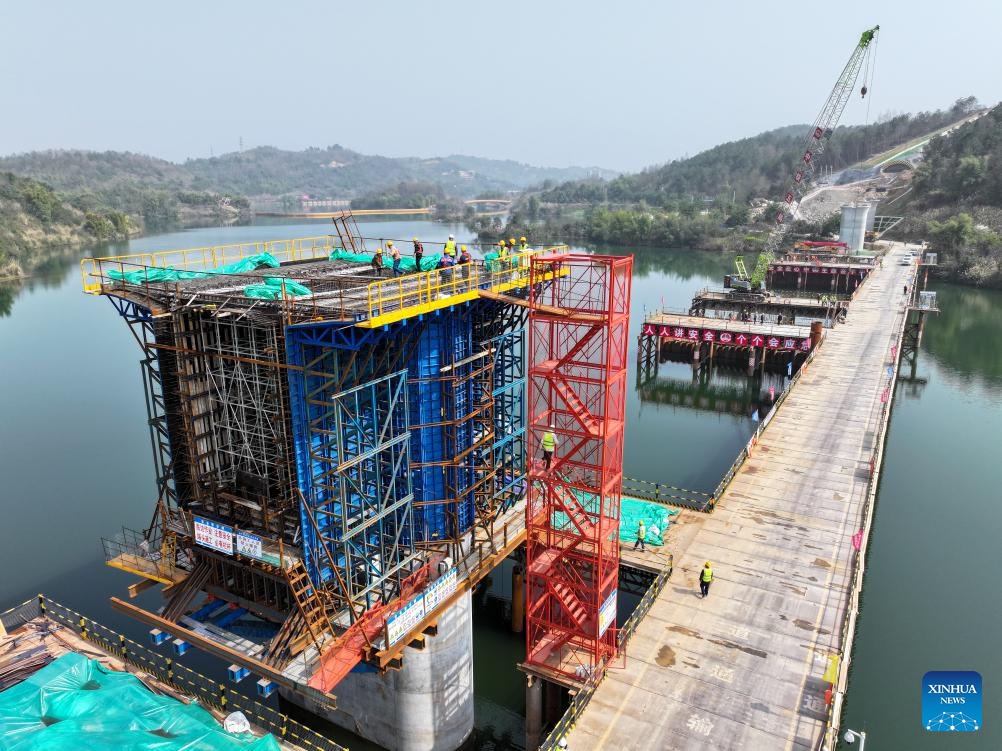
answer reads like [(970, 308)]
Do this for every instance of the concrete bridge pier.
[(533, 712), (427, 705)]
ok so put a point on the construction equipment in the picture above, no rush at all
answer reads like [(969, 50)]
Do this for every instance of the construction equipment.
[(813, 147)]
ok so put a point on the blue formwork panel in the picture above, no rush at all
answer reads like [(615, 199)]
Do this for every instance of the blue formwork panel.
[(350, 437), (437, 397)]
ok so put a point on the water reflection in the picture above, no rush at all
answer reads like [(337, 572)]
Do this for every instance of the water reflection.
[(965, 333), (718, 389), (48, 270)]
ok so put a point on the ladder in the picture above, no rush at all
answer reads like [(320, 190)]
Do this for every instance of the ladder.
[(310, 603), (348, 232)]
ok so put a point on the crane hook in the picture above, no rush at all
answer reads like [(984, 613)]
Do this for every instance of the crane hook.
[(862, 93)]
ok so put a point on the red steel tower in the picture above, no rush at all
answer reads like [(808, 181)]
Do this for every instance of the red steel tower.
[(579, 312)]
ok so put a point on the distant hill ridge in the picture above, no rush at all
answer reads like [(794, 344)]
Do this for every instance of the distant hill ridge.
[(759, 166), (333, 171)]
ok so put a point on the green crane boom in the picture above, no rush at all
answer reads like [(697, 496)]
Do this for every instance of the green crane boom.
[(813, 147)]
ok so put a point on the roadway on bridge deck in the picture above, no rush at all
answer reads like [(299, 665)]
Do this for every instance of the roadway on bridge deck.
[(742, 669)]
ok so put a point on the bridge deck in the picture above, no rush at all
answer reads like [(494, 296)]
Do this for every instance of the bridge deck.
[(742, 669)]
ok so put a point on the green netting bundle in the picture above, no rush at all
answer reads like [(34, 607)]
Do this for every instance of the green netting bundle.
[(171, 274), (656, 517), (406, 263), (656, 520), (275, 288), (75, 703)]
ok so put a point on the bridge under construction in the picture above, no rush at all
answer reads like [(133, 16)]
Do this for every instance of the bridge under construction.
[(342, 457)]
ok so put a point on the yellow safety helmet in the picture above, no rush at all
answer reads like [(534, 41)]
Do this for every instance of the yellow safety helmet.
[(379, 250), (462, 247), (512, 241), (413, 239), (389, 242), (522, 239), (502, 243), (707, 564)]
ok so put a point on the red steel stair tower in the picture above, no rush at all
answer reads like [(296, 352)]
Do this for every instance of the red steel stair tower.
[(578, 326)]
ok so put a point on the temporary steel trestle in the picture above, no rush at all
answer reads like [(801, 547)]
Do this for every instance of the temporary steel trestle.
[(577, 390)]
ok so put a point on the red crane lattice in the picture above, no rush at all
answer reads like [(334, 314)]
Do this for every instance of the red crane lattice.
[(578, 326)]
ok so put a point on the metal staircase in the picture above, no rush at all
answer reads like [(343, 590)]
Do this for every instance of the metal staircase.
[(312, 606)]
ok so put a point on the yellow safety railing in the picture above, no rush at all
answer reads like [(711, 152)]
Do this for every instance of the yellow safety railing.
[(404, 296), (94, 271)]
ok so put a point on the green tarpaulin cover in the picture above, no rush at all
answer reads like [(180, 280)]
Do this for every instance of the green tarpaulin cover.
[(406, 263), (631, 510), (73, 703), (170, 274), (272, 289)]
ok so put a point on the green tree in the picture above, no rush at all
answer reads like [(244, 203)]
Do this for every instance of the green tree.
[(953, 234)]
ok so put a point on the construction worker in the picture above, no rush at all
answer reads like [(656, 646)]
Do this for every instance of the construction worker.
[(394, 256), (502, 249), (465, 259), (418, 253), (450, 247), (523, 244), (511, 244), (641, 534), (377, 262), (549, 445), (705, 577), (445, 264)]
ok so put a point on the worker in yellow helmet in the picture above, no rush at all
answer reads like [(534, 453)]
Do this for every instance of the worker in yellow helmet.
[(523, 244), (705, 577), (502, 249), (511, 243)]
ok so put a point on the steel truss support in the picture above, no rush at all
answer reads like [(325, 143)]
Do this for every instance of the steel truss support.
[(352, 448), (578, 329)]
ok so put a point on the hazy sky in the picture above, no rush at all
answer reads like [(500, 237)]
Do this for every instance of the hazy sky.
[(619, 84)]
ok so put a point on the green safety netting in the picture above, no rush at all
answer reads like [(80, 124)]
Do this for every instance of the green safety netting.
[(406, 264), (170, 274), (656, 518), (272, 289), (74, 703)]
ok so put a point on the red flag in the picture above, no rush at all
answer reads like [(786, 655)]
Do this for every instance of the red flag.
[(857, 540)]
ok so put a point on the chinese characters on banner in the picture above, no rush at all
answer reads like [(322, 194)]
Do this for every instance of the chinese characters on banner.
[(410, 616), (728, 338), (213, 535), (249, 545)]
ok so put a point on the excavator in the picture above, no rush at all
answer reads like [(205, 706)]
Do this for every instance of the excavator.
[(803, 172)]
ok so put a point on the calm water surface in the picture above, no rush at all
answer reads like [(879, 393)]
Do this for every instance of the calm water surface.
[(931, 597), (76, 464)]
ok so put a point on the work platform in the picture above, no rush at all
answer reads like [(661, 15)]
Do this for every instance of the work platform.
[(761, 307), (334, 289), (746, 667)]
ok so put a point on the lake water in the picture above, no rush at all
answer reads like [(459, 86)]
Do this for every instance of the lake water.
[(76, 464)]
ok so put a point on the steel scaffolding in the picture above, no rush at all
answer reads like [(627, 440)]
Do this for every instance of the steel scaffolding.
[(578, 334), (320, 461)]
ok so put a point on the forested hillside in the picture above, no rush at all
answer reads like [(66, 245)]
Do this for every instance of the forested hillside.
[(956, 202), (34, 217), (759, 166), (148, 186)]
